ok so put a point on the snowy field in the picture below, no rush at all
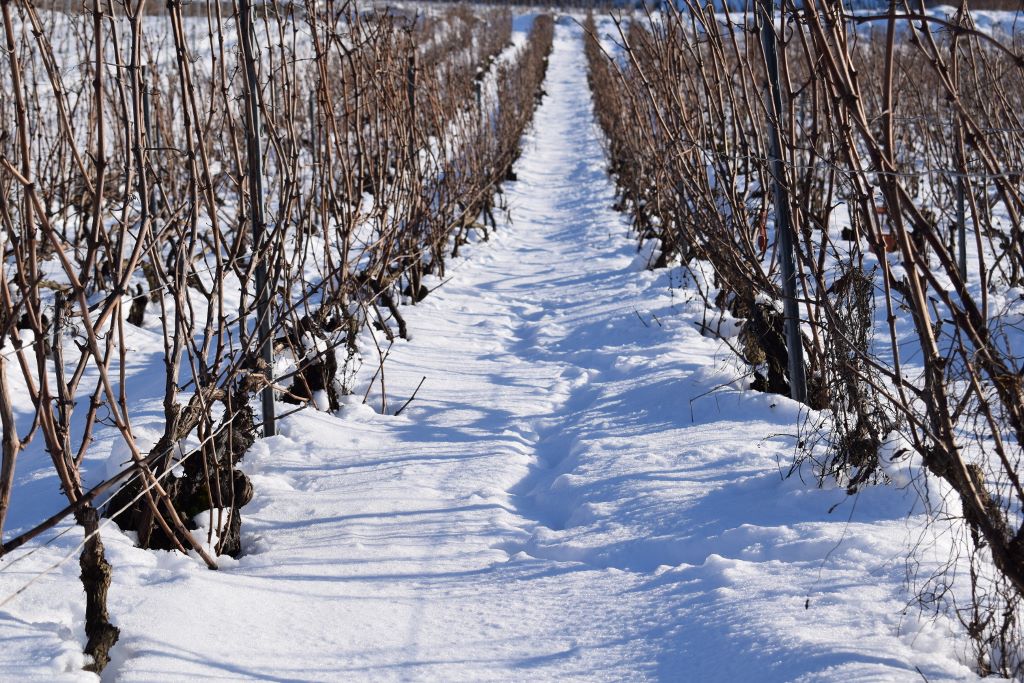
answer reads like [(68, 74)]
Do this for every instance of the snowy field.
[(580, 490)]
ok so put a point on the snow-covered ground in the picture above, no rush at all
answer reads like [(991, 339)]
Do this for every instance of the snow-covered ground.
[(579, 491)]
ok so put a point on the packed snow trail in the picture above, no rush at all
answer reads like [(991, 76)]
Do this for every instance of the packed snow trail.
[(580, 491)]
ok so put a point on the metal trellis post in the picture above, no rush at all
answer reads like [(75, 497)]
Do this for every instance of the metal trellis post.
[(255, 152), (783, 220)]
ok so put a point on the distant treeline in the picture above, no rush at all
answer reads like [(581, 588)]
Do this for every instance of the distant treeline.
[(201, 7), (736, 5)]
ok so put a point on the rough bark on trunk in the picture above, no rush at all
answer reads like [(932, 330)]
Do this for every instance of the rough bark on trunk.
[(101, 634)]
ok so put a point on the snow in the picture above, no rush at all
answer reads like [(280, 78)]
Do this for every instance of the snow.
[(581, 490)]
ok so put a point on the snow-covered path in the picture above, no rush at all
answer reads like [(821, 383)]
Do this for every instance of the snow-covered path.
[(575, 494), (390, 546)]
